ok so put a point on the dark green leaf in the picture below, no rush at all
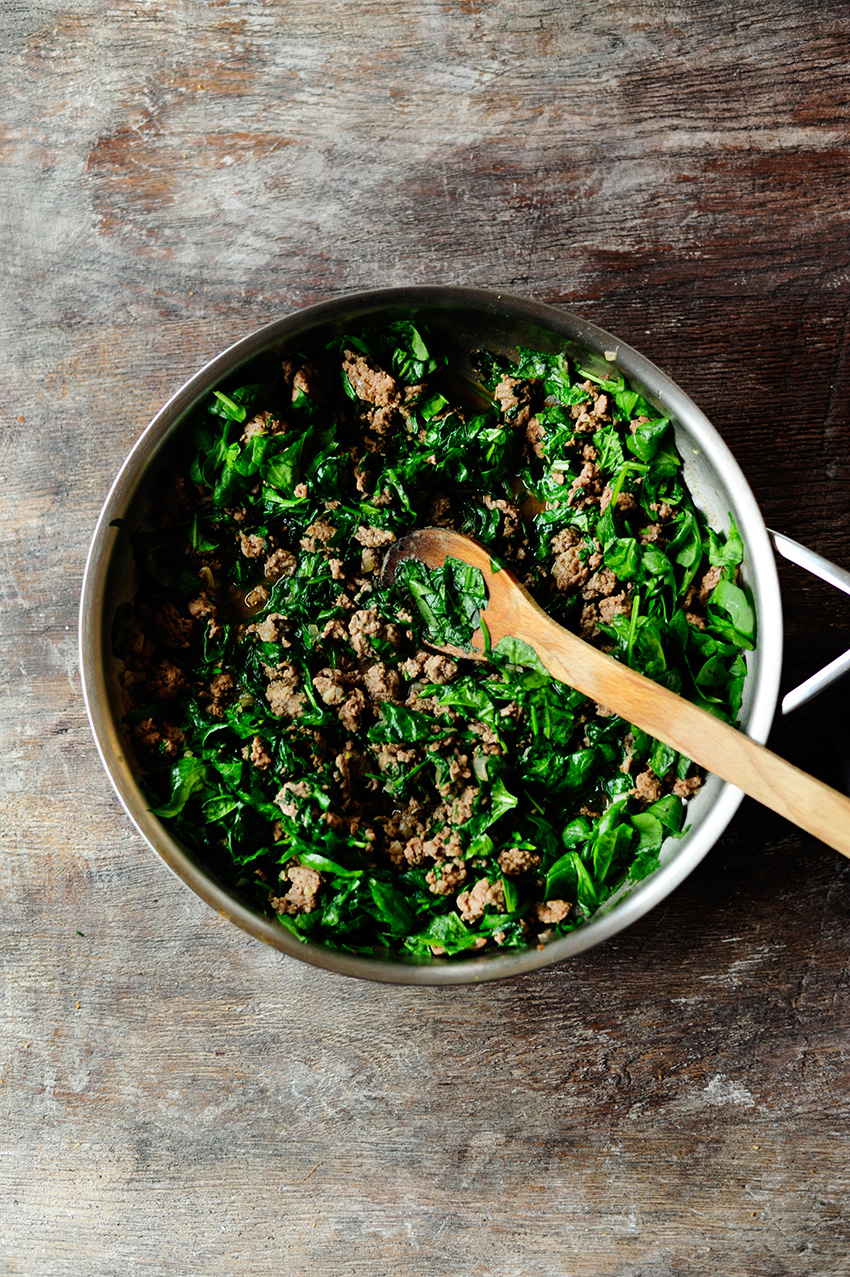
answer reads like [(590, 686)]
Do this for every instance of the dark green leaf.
[(567, 879), (187, 777)]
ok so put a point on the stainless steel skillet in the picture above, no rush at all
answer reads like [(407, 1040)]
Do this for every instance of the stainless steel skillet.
[(467, 320)]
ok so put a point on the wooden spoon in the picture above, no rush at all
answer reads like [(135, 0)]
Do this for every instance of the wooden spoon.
[(719, 748)]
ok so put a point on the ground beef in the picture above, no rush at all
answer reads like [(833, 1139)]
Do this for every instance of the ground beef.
[(565, 540), (366, 624), (221, 689), (687, 787), (251, 546), (414, 665), (625, 500), (488, 736), (159, 738), (509, 511), (173, 629), (331, 686), (334, 630), (356, 779), (463, 805), (258, 755), (283, 672), (317, 535), (552, 911), (369, 382), (535, 433), (280, 563), (383, 683), (446, 877), (600, 585), (254, 427), (291, 789), (405, 821), (647, 786), (568, 570), (617, 605), (518, 860), (374, 536), (514, 398), (592, 414), (629, 744), (289, 365), (302, 896), (257, 597), (201, 607), (264, 423), (440, 511), (439, 668), (459, 768), (392, 755), (381, 420), (284, 700), (472, 904), (166, 682), (650, 534), (444, 844), (588, 627), (709, 583), (586, 482), (353, 711), (307, 381), (413, 851), (272, 629), (175, 506), (603, 611)]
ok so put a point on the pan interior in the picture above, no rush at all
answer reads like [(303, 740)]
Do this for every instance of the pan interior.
[(464, 321)]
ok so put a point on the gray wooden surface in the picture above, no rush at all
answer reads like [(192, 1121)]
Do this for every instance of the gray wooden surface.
[(174, 1098)]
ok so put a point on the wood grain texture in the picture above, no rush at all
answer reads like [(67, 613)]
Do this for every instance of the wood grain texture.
[(174, 1097)]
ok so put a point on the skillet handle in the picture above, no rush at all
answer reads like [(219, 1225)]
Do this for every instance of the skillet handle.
[(834, 575)]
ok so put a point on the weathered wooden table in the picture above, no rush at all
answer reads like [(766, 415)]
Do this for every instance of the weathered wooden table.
[(175, 1097)]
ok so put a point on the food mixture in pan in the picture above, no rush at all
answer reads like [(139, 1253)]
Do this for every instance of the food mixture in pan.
[(293, 721)]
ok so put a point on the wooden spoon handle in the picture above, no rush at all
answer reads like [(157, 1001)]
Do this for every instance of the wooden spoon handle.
[(716, 746)]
